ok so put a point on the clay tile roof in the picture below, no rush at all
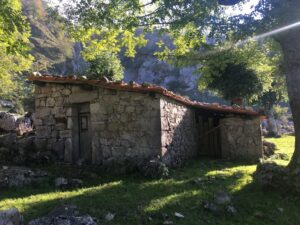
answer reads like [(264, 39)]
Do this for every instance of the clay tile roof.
[(134, 87)]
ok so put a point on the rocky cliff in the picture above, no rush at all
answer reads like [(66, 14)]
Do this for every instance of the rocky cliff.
[(55, 53)]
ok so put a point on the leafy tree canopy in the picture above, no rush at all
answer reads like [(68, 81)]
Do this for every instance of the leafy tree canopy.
[(105, 65), (14, 40), (258, 62), (234, 81)]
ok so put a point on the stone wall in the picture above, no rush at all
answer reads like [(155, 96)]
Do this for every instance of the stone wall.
[(241, 138), (51, 118), (178, 132), (124, 125)]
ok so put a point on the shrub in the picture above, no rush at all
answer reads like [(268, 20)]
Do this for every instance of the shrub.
[(105, 64)]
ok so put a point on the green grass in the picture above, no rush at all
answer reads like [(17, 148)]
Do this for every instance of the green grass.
[(285, 145), (136, 200)]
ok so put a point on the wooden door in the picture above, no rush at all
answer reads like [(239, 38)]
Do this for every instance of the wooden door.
[(82, 128), (210, 143)]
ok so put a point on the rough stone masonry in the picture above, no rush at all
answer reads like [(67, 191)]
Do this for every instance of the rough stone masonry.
[(107, 126)]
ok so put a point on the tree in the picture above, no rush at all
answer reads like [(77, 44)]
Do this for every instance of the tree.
[(235, 81), (285, 15), (14, 40), (239, 72), (105, 65), (189, 21)]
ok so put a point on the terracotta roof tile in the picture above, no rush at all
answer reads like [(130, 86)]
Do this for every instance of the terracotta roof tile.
[(134, 87)]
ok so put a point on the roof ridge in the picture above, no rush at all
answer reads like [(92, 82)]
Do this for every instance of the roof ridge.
[(135, 87)]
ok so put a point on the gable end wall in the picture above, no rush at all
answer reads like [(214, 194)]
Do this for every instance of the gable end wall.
[(179, 133), (125, 126)]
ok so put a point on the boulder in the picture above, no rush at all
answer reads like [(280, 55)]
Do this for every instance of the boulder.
[(268, 148), (64, 215), (24, 125), (61, 182), (270, 175), (8, 121), (10, 217), (64, 183), (221, 203), (154, 169), (64, 220), (222, 198)]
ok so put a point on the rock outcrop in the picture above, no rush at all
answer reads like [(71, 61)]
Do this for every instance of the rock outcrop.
[(67, 214)]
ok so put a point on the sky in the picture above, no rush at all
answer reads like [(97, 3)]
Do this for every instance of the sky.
[(247, 8)]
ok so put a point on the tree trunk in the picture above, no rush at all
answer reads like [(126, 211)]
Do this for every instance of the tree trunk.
[(290, 43)]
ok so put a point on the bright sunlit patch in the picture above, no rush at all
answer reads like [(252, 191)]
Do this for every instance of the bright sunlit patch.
[(241, 174), (26, 202), (160, 203)]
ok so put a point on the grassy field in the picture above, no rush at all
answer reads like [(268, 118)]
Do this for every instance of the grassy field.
[(136, 200)]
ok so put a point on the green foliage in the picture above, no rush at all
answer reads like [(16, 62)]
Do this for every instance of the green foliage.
[(114, 24), (14, 29), (14, 40), (105, 64), (234, 81), (258, 63), (107, 26)]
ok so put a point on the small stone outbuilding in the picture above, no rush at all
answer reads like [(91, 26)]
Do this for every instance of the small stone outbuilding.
[(102, 123)]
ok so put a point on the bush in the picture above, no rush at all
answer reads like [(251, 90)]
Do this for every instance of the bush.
[(155, 169), (105, 64)]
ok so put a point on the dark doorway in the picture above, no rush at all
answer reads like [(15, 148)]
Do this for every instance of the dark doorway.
[(209, 135), (81, 133)]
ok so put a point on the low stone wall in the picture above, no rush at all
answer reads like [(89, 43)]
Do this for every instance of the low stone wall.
[(124, 125), (178, 132), (241, 138)]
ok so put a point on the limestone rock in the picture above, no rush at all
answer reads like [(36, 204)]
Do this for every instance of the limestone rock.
[(222, 198), (109, 216), (179, 215), (64, 215), (61, 182), (64, 183), (8, 121), (10, 217)]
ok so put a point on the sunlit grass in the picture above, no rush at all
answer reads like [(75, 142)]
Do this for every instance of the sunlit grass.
[(285, 145)]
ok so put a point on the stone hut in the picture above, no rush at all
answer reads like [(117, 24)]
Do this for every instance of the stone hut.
[(103, 123)]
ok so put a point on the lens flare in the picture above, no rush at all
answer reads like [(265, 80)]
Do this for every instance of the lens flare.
[(268, 34), (254, 38)]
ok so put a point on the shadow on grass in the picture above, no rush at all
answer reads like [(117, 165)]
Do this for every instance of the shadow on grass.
[(135, 200)]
